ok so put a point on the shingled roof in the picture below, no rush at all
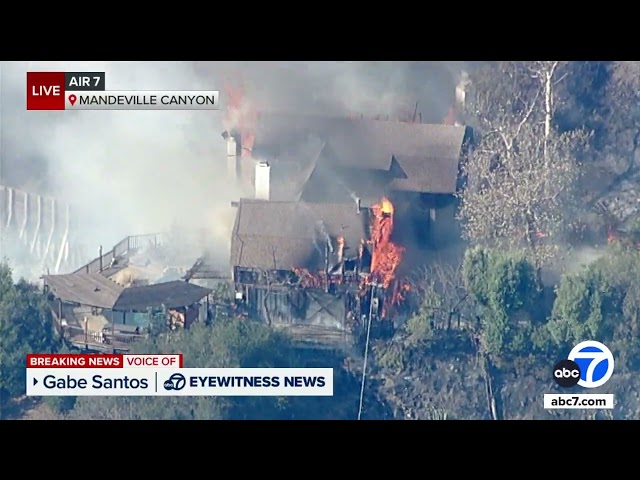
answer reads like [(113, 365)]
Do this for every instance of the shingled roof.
[(431, 152), (427, 175), (172, 294), (275, 235), (96, 290), (90, 289)]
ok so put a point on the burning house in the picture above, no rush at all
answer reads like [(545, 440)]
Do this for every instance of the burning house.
[(299, 264), (316, 268), (333, 206), (341, 160)]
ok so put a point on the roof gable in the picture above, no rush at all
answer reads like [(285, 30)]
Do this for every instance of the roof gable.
[(429, 154), (284, 235), (426, 175)]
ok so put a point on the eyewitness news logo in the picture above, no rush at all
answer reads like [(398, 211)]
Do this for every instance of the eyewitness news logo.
[(276, 382)]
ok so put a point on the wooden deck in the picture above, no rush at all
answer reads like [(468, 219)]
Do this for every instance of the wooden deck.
[(314, 336), (99, 341)]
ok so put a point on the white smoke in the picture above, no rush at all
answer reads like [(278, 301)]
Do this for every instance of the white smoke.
[(136, 172)]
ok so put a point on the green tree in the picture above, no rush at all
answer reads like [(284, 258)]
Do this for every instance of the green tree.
[(26, 326), (506, 287), (584, 301), (601, 302)]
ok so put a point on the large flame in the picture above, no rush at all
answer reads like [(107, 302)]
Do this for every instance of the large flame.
[(386, 255), (240, 115)]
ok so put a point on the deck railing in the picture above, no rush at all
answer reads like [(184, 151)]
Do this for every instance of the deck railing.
[(126, 247)]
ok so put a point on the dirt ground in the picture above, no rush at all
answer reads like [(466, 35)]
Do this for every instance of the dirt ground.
[(26, 408), (456, 386)]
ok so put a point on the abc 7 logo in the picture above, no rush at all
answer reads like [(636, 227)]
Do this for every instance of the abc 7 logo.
[(596, 360), (566, 373), (175, 382)]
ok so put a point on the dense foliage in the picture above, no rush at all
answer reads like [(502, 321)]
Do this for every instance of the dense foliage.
[(26, 326)]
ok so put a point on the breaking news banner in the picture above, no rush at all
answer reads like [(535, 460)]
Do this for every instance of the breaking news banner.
[(70, 360), (86, 91), (161, 382)]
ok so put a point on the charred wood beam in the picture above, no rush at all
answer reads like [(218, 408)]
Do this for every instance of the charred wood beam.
[(191, 272), (326, 267), (200, 272), (208, 275)]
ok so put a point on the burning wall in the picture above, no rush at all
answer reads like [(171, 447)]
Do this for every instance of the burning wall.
[(386, 255)]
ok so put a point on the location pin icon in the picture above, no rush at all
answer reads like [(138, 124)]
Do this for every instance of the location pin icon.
[(72, 99)]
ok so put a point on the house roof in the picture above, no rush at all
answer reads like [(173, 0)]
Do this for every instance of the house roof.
[(360, 142), (84, 288), (173, 294), (96, 290), (274, 253), (285, 235), (368, 144), (427, 175), (291, 171)]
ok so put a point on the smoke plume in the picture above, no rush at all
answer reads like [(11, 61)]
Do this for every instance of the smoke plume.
[(128, 172)]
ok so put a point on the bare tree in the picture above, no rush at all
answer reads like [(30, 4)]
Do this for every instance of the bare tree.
[(442, 295), (520, 176), (623, 96), (548, 74)]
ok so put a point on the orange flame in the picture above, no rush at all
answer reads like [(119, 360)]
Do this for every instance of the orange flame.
[(622, 238), (307, 279), (386, 207), (399, 295), (240, 115), (450, 119), (386, 256), (340, 248)]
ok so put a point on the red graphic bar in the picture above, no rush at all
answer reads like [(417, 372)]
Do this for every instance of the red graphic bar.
[(70, 360), (153, 361), (45, 90)]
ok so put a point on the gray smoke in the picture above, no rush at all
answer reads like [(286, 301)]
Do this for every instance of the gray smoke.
[(128, 172)]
